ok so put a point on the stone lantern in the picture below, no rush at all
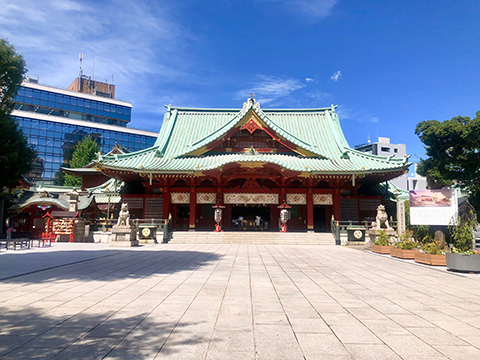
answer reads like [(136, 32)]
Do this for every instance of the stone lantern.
[(283, 217), (218, 217)]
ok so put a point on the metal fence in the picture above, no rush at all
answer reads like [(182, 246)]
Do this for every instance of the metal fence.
[(340, 227), (164, 226)]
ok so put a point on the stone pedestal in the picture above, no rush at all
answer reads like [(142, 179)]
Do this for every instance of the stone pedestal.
[(373, 234), (123, 236)]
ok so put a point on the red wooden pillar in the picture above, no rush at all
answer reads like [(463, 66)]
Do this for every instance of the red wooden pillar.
[(166, 202), (219, 195), (193, 199), (310, 210), (336, 205)]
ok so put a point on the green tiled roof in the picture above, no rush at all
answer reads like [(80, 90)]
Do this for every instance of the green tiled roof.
[(387, 189), (316, 130)]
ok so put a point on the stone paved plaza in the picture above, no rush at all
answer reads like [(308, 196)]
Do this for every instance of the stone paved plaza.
[(224, 301)]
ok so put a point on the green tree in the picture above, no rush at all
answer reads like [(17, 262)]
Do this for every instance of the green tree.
[(453, 150), (16, 156), (85, 152)]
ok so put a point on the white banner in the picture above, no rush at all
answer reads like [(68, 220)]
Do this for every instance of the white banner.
[(433, 207)]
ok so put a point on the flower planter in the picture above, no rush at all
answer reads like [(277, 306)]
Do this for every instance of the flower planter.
[(402, 253), (463, 262), (381, 249), (429, 259)]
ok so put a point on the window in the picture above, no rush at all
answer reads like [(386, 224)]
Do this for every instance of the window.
[(385, 149), (395, 150)]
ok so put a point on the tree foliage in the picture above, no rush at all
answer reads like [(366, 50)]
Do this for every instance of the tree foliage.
[(85, 152), (453, 150), (16, 156)]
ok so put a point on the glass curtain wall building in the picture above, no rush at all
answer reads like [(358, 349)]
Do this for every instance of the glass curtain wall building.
[(54, 120)]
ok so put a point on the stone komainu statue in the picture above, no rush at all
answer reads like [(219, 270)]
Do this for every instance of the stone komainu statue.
[(381, 220), (124, 216)]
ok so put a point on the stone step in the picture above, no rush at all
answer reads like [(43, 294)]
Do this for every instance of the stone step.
[(252, 238)]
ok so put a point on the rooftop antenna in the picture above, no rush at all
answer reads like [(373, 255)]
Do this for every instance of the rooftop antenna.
[(93, 69), (369, 141), (81, 59)]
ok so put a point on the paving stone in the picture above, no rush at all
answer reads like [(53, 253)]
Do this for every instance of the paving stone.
[(238, 301), (86, 349), (310, 325), (274, 350), (459, 352), (318, 346), (26, 352), (408, 345), (232, 340), (56, 338), (355, 335), (371, 351)]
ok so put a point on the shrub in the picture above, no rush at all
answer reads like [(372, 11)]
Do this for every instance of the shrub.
[(383, 239), (462, 234), (407, 244), (432, 249)]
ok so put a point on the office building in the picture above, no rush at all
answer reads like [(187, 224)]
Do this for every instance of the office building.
[(54, 120), (383, 147)]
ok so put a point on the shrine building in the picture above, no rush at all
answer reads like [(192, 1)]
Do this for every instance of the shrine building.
[(251, 161)]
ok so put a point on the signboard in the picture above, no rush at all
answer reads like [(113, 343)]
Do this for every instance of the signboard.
[(433, 207)]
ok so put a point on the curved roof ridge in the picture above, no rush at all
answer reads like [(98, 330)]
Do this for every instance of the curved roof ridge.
[(377, 157), (237, 109), (123, 156), (220, 131)]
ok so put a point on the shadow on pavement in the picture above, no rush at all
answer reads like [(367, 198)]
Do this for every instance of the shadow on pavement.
[(102, 265), (93, 333)]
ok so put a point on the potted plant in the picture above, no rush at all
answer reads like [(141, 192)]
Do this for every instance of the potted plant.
[(382, 245), (464, 256), (406, 247), (431, 253)]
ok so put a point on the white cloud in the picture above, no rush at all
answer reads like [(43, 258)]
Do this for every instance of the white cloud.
[(336, 75), (318, 95), (361, 115), (309, 79), (270, 88), (51, 33), (312, 8)]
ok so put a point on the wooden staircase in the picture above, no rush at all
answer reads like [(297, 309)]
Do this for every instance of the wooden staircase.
[(252, 237)]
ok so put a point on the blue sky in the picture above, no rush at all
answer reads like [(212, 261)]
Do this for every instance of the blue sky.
[(387, 64)]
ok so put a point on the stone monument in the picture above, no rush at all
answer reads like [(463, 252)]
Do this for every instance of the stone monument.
[(123, 234), (401, 224)]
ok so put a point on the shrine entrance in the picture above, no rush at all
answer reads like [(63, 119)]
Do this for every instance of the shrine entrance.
[(321, 218), (183, 217), (251, 217)]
